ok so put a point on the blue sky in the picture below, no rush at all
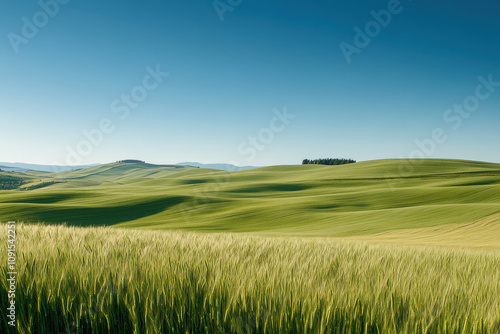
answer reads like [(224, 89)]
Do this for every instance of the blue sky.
[(67, 67)]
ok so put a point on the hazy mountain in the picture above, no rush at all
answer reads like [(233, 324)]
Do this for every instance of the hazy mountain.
[(227, 167), (22, 167), (12, 169)]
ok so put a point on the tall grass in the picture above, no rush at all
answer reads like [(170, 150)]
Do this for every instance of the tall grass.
[(103, 280)]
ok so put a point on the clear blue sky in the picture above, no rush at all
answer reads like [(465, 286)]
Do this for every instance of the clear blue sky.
[(67, 71)]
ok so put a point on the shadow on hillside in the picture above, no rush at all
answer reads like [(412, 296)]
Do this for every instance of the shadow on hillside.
[(274, 187), (45, 198), (100, 216)]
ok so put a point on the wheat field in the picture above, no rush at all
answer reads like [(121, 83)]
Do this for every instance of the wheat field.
[(109, 280)]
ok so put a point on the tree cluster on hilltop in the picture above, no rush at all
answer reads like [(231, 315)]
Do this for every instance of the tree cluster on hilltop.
[(328, 161), (129, 161)]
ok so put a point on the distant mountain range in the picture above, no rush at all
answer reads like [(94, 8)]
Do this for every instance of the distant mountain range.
[(227, 167), (22, 167)]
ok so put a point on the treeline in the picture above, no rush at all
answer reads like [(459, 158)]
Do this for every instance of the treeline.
[(328, 161), (8, 182), (129, 161), (39, 185)]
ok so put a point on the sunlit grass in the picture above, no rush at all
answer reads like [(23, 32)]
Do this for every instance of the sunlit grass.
[(104, 280)]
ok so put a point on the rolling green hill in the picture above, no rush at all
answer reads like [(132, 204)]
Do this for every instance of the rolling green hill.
[(365, 198), (328, 274)]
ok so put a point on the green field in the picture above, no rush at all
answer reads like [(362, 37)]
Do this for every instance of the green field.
[(339, 201), (372, 247)]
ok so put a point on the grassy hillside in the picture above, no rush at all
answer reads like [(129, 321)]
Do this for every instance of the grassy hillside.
[(104, 280), (483, 233), (365, 198), (270, 277)]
